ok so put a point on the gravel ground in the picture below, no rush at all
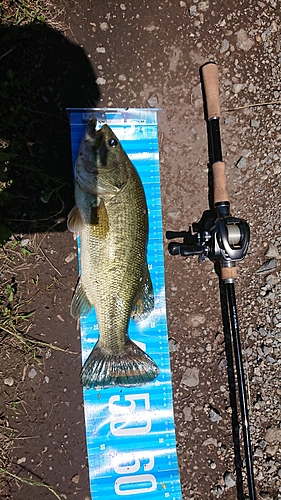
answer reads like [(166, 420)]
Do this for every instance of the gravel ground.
[(149, 54)]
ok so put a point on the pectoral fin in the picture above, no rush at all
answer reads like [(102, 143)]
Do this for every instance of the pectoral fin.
[(144, 302), (99, 220), (80, 305), (74, 221)]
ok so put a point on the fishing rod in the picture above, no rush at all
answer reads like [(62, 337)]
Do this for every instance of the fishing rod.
[(224, 239)]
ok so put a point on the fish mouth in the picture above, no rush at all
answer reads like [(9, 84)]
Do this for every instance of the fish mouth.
[(93, 137)]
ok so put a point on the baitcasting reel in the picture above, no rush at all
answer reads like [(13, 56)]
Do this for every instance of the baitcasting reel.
[(226, 241)]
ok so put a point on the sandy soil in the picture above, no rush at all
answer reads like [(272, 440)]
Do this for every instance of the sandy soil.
[(143, 54)]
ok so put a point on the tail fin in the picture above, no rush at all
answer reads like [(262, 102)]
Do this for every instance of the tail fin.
[(129, 368)]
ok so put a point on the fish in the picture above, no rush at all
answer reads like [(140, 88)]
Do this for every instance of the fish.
[(111, 218)]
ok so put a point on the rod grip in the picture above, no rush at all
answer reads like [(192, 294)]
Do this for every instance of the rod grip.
[(228, 273), (211, 87), (219, 181)]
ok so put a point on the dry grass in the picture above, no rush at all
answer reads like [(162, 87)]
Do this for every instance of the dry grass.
[(21, 12)]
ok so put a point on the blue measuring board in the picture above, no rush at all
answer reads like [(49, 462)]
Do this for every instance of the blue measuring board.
[(130, 431)]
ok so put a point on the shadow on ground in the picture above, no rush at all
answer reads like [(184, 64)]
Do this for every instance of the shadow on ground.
[(42, 74)]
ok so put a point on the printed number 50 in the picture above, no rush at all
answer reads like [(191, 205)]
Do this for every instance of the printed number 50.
[(139, 425)]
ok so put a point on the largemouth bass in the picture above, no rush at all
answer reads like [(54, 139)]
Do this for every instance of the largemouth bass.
[(112, 220)]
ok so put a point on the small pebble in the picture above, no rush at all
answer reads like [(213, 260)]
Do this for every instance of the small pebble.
[(190, 377), (254, 123), (101, 81), (229, 482), (152, 101), (70, 257), (24, 242), (32, 373), (224, 46), (242, 163), (75, 479), (272, 252), (9, 381), (214, 415), (192, 10)]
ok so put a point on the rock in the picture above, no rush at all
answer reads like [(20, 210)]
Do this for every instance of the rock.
[(237, 87), (272, 450), (24, 242), (104, 26), (32, 373), (265, 495), (273, 434), (193, 10), (187, 414), (152, 102), (254, 123), (122, 78), (210, 442), (223, 365), (9, 381), (70, 257), (190, 377), (75, 479), (244, 42), (101, 81), (173, 345), (204, 6), (214, 415), (229, 482), (270, 359), (224, 46), (267, 266), (197, 319), (242, 163), (219, 490), (276, 171), (228, 120), (272, 252)]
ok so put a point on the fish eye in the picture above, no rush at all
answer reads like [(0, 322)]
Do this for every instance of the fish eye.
[(112, 143)]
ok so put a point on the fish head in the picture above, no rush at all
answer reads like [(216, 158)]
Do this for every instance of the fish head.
[(102, 167)]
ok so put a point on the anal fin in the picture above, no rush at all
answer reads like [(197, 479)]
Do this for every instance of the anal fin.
[(144, 301)]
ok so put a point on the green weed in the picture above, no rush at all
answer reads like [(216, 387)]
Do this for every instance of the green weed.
[(30, 482), (21, 12)]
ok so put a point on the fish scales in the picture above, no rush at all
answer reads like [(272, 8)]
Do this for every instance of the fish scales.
[(111, 218), (115, 264)]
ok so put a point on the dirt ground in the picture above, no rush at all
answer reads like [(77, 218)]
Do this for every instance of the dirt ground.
[(145, 54)]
